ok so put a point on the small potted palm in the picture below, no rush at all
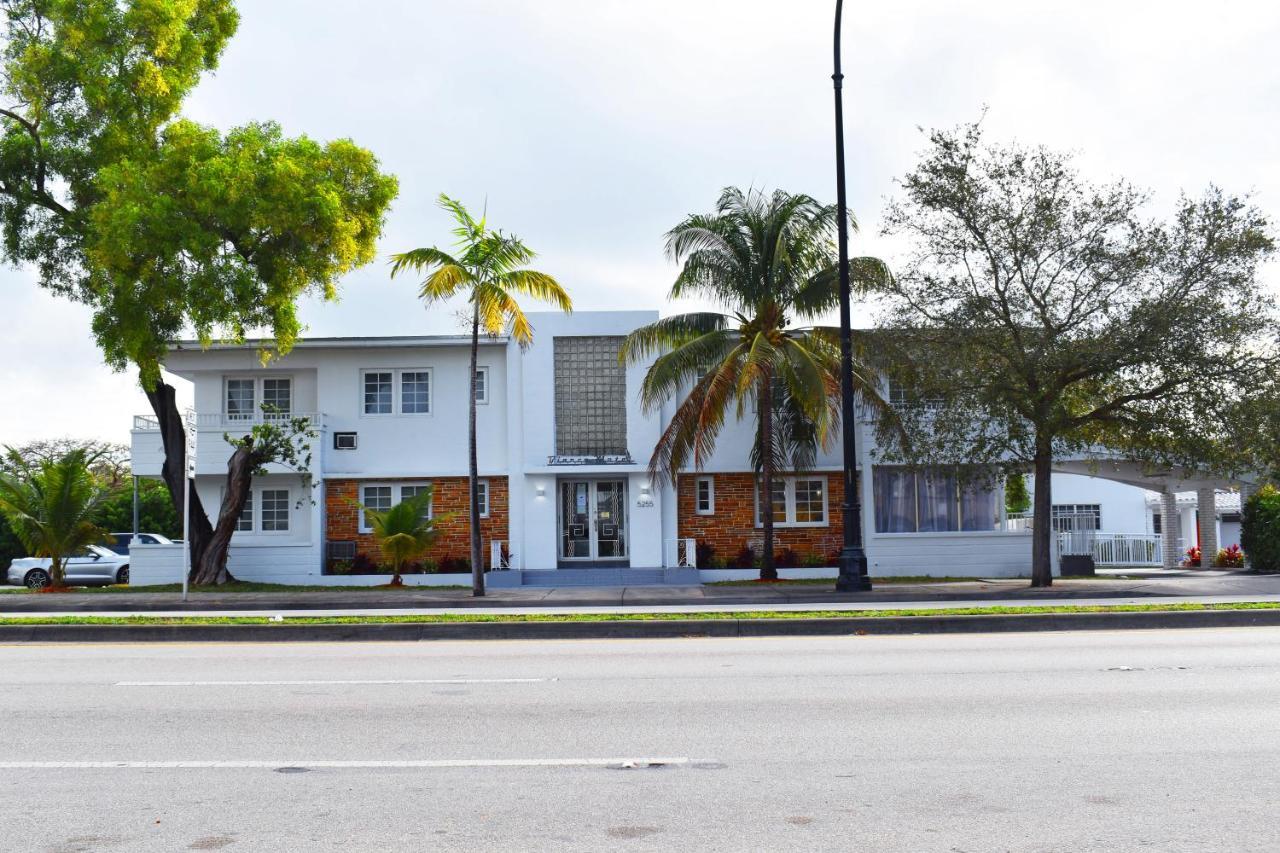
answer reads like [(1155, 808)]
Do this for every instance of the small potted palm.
[(404, 532)]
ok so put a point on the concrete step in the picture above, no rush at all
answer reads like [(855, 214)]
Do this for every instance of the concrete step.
[(593, 577)]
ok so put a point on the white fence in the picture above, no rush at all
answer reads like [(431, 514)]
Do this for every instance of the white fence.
[(1115, 549), (680, 553)]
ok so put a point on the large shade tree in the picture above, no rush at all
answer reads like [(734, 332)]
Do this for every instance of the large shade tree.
[(160, 224), (1040, 314), (488, 268), (770, 260)]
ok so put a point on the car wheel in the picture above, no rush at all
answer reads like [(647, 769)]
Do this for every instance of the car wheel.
[(122, 576), (37, 579)]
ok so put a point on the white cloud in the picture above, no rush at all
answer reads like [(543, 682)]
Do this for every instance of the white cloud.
[(593, 126)]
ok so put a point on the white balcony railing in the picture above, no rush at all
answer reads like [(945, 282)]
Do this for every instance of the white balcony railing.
[(145, 423), (221, 420)]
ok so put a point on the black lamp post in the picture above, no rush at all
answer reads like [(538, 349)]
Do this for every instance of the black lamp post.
[(853, 559)]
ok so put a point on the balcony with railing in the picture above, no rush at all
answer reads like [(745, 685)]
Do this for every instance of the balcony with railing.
[(147, 448)]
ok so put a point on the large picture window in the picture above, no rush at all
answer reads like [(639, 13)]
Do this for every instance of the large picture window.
[(797, 502), (931, 501)]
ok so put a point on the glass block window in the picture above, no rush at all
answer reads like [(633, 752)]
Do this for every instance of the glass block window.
[(277, 397), (275, 510), (244, 524), (376, 498), (415, 392), (811, 504), (591, 397), (377, 393), (240, 406)]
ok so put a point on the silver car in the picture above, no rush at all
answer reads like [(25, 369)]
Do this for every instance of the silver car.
[(94, 566)]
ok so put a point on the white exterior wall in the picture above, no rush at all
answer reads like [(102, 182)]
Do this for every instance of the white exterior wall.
[(1124, 507)]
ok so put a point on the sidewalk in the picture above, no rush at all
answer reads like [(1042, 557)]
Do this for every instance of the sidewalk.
[(1213, 587)]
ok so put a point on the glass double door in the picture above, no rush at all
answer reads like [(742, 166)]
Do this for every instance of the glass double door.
[(593, 522)]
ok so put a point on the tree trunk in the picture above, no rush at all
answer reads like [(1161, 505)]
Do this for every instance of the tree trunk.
[(211, 567), (473, 467), (174, 438), (57, 573), (1042, 520), (767, 570)]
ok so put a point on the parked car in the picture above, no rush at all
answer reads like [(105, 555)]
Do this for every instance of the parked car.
[(94, 566), (124, 540)]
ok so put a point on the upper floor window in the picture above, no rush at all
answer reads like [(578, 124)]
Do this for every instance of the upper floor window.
[(797, 502), (277, 396), (705, 496), (241, 405), (377, 392), (482, 385), (397, 392)]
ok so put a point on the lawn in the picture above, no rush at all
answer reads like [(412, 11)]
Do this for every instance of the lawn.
[(473, 618), (244, 586)]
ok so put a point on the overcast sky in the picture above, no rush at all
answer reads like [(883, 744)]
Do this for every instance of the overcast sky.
[(593, 126)]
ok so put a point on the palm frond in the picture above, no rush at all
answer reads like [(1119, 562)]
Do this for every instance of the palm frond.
[(670, 333)]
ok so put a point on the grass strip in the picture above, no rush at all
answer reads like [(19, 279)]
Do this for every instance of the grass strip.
[(483, 618), (246, 586)]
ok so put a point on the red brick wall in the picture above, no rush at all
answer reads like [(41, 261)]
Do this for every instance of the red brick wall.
[(449, 496), (732, 527)]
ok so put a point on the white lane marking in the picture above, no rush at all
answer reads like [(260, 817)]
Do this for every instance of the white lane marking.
[(424, 763), (304, 682)]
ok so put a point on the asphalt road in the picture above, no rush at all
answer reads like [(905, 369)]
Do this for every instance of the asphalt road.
[(1137, 740)]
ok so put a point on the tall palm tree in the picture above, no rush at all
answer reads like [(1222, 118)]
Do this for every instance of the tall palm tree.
[(487, 266), (51, 506), (403, 532), (767, 258)]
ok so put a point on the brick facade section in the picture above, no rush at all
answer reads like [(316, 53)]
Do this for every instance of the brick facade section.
[(733, 528), (342, 517)]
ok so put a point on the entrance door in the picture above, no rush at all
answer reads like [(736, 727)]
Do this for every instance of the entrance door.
[(593, 522)]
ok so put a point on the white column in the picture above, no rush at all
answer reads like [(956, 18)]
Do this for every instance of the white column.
[(1171, 556), (1206, 506)]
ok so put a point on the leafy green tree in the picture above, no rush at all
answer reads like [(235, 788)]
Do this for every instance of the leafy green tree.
[(767, 259), (403, 532), (1260, 530), (51, 506), (487, 266), (1017, 499), (1042, 315), (158, 223), (155, 510)]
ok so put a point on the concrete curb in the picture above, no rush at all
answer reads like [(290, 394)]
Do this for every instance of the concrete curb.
[(666, 628)]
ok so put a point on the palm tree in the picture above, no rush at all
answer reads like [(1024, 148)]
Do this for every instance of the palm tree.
[(51, 506), (403, 532), (488, 266), (767, 259)]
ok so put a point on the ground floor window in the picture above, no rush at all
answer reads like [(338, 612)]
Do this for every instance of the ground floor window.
[(796, 502), (705, 497), (931, 501), (380, 497), (275, 510), (1069, 518)]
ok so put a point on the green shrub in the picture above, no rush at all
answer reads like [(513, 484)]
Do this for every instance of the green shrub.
[(1260, 530)]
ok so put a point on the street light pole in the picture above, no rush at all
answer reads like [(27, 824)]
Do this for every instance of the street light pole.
[(853, 559)]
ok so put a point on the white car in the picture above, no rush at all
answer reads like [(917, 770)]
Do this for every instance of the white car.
[(94, 566)]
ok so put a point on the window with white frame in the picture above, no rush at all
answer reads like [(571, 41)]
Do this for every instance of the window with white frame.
[(240, 399), (797, 502), (1069, 518), (277, 396), (415, 392), (275, 510), (482, 497), (244, 523), (482, 385), (376, 498), (377, 392), (408, 492), (705, 496)]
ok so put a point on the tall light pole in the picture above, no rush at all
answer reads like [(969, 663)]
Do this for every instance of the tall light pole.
[(853, 559)]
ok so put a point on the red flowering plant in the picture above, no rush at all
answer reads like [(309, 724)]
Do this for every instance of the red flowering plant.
[(1193, 557), (1229, 558)]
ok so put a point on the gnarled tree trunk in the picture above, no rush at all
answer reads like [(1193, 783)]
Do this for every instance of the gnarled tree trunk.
[(173, 435), (211, 568)]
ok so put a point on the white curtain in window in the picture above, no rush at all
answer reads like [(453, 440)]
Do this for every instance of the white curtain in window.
[(977, 507), (895, 499), (937, 500)]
